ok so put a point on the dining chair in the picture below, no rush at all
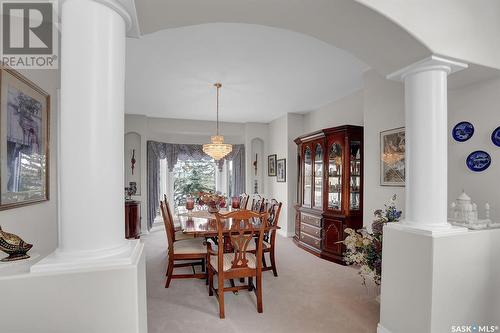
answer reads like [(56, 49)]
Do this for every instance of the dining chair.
[(240, 263), (273, 209), (188, 249), (178, 234), (243, 201), (258, 203)]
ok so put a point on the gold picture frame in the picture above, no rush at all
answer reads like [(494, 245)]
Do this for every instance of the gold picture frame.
[(24, 141)]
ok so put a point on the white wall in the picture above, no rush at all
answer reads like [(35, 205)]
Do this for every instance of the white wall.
[(345, 111), (462, 29), (278, 145), (133, 142), (440, 281), (478, 104), (256, 131), (37, 224), (383, 109)]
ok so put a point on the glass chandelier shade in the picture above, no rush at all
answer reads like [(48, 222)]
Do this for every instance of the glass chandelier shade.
[(217, 149)]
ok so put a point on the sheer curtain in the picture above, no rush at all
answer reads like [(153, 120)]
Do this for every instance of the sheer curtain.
[(173, 152)]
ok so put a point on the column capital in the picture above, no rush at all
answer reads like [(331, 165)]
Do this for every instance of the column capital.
[(126, 9), (431, 63)]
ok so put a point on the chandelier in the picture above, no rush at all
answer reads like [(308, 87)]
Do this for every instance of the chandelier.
[(217, 149)]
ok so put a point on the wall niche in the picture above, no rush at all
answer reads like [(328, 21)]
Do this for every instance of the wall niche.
[(132, 152)]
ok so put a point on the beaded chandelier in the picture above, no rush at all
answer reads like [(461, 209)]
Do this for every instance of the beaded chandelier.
[(217, 149)]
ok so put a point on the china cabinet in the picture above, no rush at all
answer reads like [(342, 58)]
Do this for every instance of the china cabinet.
[(330, 189)]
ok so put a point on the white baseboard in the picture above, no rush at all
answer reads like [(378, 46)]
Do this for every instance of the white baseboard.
[(382, 329)]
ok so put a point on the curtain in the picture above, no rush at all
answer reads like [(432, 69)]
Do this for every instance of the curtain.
[(179, 152)]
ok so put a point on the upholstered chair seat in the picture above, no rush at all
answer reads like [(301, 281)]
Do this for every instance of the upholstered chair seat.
[(188, 246), (252, 247), (228, 259)]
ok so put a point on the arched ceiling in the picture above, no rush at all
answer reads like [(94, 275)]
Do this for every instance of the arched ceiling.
[(346, 24), (266, 72)]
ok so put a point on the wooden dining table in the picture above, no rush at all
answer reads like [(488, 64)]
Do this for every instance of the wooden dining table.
[(201, 223)]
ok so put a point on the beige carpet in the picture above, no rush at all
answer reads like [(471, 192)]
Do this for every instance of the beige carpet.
[(309, 295)]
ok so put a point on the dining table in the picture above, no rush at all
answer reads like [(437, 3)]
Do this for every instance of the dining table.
[(202, 223)]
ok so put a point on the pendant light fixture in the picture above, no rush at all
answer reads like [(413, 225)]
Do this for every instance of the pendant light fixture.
[(217, 149)]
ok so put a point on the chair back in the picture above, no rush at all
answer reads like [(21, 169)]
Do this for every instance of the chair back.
[(243, 201), (273, 208), (169, 225), (241, 233), (258, 204)]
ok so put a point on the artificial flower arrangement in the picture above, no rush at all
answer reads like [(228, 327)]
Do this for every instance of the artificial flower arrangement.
[(365, 249), (213, 200)]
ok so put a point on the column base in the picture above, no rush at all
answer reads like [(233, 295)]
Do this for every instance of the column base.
[(432, 281), (73, 261), (97, 296), (432, 230)]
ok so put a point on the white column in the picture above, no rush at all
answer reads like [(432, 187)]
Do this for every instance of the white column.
[(426, 141), (92, 126)]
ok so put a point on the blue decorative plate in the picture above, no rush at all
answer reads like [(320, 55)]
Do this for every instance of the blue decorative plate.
[(478, 161), (463, 131), (495, 136)]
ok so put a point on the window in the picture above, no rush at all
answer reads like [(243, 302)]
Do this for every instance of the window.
[(191, 177)]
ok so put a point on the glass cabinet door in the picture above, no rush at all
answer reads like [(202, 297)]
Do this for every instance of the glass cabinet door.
[(355, 175), (307, 176), (335, 176), (318, 176)]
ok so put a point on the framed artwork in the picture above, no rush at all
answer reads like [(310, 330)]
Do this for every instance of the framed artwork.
[(281, 170), (24, 141), (392, 157), (271, 165)]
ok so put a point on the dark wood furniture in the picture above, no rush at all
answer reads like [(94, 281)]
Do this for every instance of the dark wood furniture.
[(273, 208), (182, 250), (244, 200), (330, 189), (207, 227), (240, 263), (258, 203), (132, 219)]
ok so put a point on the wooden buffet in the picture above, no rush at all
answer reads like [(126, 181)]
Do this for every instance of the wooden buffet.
[(132, 219), (330, 189)]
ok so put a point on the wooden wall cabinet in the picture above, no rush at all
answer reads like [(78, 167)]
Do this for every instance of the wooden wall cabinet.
[(132, 219), (330, 189)]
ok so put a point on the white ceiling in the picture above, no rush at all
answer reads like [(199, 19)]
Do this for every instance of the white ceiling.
[(265, 72)]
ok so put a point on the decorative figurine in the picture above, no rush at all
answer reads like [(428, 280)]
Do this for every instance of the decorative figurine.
[(464, 213), (14, 246), (132, 161), (255, 164)]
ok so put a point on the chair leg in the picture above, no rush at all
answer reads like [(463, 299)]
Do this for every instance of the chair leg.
[(170, 270), (273, 262), (258, 293), (210, 282), (250, 283), (203, 265), (220, 293), (264, 265)]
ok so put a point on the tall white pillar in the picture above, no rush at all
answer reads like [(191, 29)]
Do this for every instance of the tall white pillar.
[(414, 250), (426, 141), (91, 197)]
